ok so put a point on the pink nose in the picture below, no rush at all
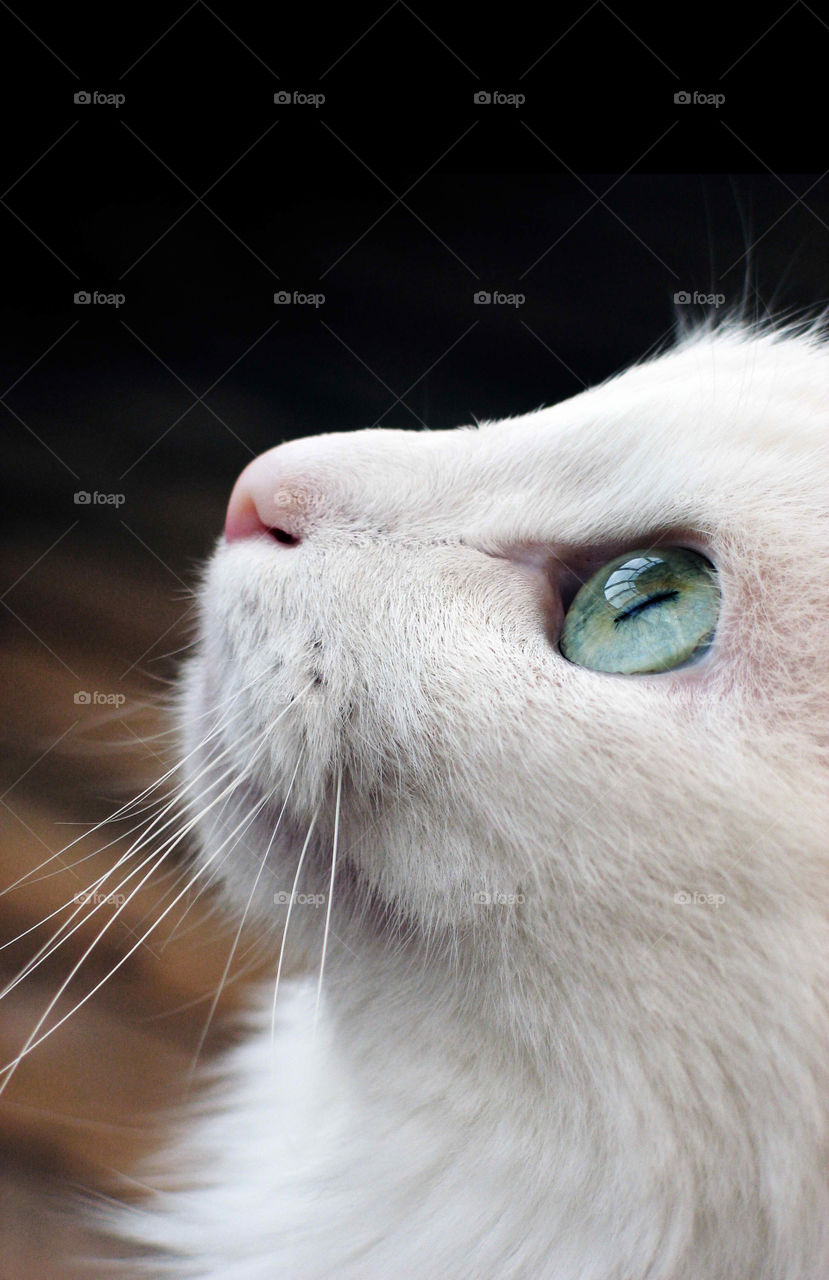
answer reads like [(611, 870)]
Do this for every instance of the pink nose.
[(269, 498)]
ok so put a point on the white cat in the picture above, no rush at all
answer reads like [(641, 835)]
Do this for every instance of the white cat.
[(574, 1018)]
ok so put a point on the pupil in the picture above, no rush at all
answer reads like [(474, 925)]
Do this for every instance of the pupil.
[(645, 604)]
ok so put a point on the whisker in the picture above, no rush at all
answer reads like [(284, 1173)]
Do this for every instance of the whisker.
[(56, 940), (155, 859), (82, 898), (205, 887), (129, 805), (288, 921), (124, 809), (34, 1039), (69, 866), (232, 951), (330, 896)]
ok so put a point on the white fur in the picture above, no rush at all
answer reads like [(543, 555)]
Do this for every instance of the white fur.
[(588, 1080)]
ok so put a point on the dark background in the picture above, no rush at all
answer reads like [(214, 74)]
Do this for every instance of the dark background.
[(198, 198), (724, 200)]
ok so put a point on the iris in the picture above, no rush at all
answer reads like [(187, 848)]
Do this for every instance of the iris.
[(645, 611)]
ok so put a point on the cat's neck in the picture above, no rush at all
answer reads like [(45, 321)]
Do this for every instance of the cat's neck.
[(441, 1163), (401, 1129), (449, 1113)]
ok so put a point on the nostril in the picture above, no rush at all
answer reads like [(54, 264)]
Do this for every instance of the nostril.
[(285, 538)]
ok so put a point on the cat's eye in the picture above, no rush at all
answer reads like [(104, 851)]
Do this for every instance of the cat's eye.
[(645, 611)]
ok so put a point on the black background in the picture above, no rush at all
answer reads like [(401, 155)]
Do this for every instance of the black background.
[(727, 200)]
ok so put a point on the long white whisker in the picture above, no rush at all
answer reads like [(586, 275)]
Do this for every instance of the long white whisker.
[(71, 866), (82, 898), (153, 786), (288, 921), (330, 896), (56, 940), (34, 1040), (123, 810), (139, 826), (232, 951), (155, 859)]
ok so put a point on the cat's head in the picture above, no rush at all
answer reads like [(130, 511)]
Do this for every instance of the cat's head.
[(385, 616)]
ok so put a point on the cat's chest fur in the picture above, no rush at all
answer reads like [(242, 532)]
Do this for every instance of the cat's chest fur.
[(575, 1017), (416, 1156), (425, 1174)]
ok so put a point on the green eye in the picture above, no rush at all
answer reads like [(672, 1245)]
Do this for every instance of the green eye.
[(644, 611)]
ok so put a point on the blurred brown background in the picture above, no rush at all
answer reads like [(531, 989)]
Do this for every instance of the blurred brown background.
[(90, 1099), (186, 207)]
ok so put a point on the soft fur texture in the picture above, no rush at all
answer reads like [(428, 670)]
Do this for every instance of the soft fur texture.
[(589, 1076)]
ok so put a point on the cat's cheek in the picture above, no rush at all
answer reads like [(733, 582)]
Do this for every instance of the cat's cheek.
[(695, 685)]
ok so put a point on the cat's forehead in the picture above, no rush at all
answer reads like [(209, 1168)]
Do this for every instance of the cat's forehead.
[(724, 427), (729, 395), (697, 433)]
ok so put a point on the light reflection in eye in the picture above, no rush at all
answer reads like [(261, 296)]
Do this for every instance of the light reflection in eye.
[(620, 589)]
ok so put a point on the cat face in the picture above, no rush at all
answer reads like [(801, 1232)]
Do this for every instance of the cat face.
[(399, 636)]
